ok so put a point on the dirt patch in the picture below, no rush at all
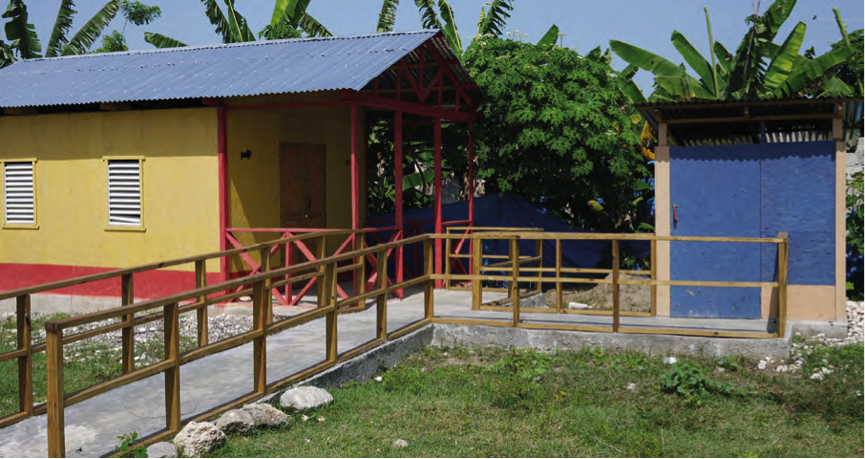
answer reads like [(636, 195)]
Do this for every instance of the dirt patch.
[(636, 298)]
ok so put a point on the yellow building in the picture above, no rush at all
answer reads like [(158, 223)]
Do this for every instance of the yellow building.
[(115, 160)]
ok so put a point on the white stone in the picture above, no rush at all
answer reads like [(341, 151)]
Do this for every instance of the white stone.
[(198, 438), (400, 443), (305, 398), (265, 415), (670, 360), (235, 421), (762, 364), (817, 376), (573, 305), (162, 449), (632, 386)]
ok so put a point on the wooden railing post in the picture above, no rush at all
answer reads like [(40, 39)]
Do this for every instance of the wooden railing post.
[(515, 286), (429, 285), (558, 275), (25, 362), (448, 259), (55, 395), (381, 299), (783, 261), (172, 375), (654, 271), (539, 253), (201, 313), (615, 286), (477, 284), (260, 294), (267, 294), (127, 297), (330, 296), (361, 272)]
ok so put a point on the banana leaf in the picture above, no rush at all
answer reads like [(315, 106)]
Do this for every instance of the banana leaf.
[(495, 18), (450, 28), (645, 60), (62, 25), (87, 35), (161, 41), (548, 41), (805, 72), (21, 34), (429, 19), (387, 16), (782, 65), (694, 59)]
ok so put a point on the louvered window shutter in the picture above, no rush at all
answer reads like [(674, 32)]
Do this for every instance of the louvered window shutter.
[(18, 192), (124, 192)]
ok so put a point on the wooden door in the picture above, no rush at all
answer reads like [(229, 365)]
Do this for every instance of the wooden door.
[(303, 197)]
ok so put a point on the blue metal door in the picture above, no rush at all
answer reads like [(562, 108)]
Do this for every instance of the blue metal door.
[(715, 191)]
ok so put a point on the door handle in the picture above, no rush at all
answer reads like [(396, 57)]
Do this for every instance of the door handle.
[(675, 216)]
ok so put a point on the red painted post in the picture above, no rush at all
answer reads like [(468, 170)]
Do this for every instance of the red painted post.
[(355, 201), (397, 171), (437, 142), (222, 160)]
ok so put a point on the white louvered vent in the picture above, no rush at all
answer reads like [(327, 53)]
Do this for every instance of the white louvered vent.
[(18, 187), (124, 192)]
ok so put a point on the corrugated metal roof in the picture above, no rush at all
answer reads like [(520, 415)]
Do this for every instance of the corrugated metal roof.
[(707, 130), (246, 69)]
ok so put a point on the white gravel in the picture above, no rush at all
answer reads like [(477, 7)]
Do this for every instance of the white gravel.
[(802, 348), (148, 337)]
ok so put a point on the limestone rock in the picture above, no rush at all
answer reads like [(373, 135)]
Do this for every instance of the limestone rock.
[(265, 415), (235, 421), (399, 444), (162, 449), (573, 305), (198, 438), (305, 398)]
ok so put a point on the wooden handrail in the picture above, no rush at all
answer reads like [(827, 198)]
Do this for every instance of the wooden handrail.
[(325, 270), (163, 264)]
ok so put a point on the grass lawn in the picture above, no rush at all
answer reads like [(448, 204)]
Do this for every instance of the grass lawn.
[(492, 402)]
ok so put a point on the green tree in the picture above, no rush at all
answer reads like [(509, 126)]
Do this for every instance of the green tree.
[(759, 69), (555, 129)]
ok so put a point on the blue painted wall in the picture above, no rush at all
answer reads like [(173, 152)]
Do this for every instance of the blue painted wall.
[(750, 191), (717, 193), (798, 196)]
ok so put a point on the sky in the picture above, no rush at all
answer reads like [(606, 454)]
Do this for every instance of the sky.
[(585, 24)]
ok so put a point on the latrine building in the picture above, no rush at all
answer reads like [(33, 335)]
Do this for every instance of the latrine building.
[(754, 169)]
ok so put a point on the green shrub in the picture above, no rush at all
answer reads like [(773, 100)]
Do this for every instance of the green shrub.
[(689, 380)]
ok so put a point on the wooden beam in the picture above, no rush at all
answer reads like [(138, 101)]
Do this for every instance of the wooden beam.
[(115, 106), (20, 111)]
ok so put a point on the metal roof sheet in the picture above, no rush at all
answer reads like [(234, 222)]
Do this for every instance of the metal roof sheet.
[(246, 69)]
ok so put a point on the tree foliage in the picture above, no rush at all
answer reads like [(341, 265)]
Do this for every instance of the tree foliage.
[(851, 71), (555, 129)]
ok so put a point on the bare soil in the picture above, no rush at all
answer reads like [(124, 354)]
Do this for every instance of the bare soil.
[(635, 298)]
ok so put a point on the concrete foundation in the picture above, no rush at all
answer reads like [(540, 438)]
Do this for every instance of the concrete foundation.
[(473, 335)]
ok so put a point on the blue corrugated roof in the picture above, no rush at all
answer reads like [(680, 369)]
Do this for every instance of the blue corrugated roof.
[(267, 67)]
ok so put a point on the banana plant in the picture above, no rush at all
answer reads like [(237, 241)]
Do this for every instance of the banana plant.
[(24, 42), (289, 20), (759, 69), (430, 20)]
